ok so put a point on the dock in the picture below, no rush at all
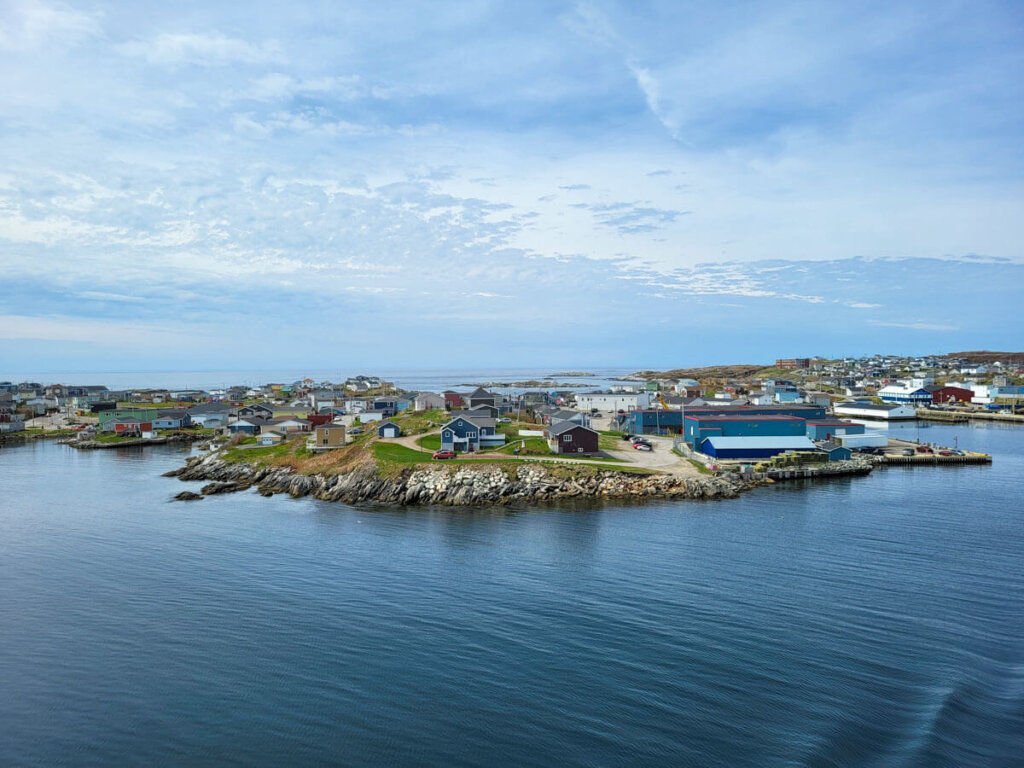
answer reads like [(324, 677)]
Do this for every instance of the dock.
[(963, 416)]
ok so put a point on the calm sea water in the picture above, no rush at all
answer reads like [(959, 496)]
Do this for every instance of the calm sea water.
[(870, 622)]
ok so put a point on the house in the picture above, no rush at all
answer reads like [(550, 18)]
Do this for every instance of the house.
[(465, 433), (570, 437), (270, 437), (256, 409), (760, 447), (613, 401), (428, 401), (209, 415), (129, 427), (327, 437), (835, 451), (11, 420), (481, 396), (289, 424), (388, 429), (368, 416), (452, 399), (488, 411), (251, 425), (172, 420)]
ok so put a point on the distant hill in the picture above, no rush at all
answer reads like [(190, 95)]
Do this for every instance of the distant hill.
[(706, 372), (985, 356)]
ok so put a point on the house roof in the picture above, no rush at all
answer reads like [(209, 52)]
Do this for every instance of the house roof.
[(789, 443), (387, 424), (565, 426), (331, 426), (477, 421), (480, 392)]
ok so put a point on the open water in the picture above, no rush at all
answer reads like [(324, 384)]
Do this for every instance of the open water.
[(871, 622)]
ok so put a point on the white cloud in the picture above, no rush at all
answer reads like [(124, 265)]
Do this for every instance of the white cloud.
[(213, 49), (919, 326), (28, 24)]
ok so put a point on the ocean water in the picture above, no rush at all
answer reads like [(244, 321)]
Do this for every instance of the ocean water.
[(875, 621)]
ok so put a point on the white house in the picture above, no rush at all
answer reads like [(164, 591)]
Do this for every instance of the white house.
[(612, 401)]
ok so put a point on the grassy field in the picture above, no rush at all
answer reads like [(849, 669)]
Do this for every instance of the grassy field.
[(430, 442), (417, 422)]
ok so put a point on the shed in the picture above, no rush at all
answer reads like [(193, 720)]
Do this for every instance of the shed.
[(388, 429)]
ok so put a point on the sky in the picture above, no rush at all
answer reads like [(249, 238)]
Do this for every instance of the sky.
[(190, 185)]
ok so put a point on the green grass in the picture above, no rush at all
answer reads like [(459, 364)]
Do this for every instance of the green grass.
[(262, 454), (430, 442), (535, 446), (415, 422)]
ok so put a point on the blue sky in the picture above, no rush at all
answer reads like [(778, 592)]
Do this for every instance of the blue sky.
[(199, 184)]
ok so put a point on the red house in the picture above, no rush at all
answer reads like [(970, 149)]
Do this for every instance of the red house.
[(950, 394), (317, 419), (132, 427), (452, 400)]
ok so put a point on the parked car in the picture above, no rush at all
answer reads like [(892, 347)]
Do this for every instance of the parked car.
[(908, 451), (504, 420), (636, 439), (627, 437), (924, 449), (642, 446), (444, 454), (945, 453), (356, 431)]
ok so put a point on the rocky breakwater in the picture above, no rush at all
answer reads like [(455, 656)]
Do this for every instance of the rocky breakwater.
[(456, 486)]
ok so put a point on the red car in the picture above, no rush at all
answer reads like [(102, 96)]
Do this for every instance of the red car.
[(444, 454)]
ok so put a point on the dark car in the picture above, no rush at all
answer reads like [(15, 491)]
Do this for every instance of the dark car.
[(444, 454), (627, 437)]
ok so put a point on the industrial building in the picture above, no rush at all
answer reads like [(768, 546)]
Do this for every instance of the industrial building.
[(887, 412), (696, 428), (722, 447), (827, 429)]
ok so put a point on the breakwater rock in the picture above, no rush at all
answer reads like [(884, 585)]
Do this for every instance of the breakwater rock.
[(456, 486)]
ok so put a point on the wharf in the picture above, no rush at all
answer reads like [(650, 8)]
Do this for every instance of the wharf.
[(963, 416), (930, 459)]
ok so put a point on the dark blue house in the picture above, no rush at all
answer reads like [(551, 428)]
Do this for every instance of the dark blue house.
[(470, 434)]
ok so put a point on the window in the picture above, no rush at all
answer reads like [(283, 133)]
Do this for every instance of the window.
[(471, 434), (566, 438)]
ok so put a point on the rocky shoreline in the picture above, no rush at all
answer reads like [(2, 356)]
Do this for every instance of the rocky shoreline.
[(99, 444), (448, 485)]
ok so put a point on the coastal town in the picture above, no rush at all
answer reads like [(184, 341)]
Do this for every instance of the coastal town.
[(799, 417)]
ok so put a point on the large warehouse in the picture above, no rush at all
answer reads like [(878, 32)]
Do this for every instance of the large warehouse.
[(612, 401), (698, 427), (754, 447)]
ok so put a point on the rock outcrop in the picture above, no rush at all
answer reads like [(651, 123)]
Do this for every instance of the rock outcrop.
[(456, 486)]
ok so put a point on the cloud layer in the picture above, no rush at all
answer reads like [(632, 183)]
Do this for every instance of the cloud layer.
[(472, 182)]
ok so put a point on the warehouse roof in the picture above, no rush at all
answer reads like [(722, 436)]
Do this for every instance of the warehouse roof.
[(790, 443)]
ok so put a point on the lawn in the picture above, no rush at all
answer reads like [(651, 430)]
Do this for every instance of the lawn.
[(430, 442)]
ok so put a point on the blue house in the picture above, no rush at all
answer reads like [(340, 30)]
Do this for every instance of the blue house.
[(172, 420), (464, 433), (388, 429), (835, 451)]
